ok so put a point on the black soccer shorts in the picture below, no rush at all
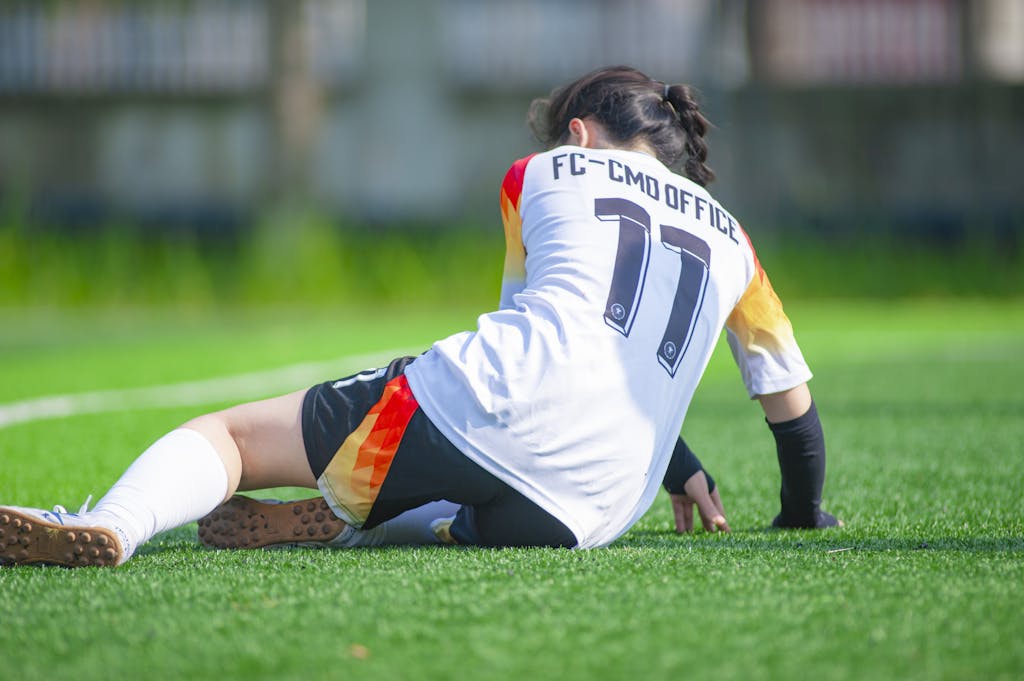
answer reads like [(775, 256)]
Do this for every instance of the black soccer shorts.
[(375, 455)]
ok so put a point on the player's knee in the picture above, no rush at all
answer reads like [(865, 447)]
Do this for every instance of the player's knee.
[(216, 429), (213, 426)]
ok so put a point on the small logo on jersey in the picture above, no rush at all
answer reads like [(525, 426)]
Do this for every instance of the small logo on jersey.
[(670, 350), (618, 312)]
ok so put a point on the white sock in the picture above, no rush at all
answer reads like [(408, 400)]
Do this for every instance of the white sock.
[(178, 479), (411, 528)]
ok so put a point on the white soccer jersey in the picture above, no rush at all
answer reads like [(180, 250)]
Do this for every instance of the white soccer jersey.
[(619, 277)]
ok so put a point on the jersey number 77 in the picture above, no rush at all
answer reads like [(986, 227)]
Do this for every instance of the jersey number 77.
[(630, 272)]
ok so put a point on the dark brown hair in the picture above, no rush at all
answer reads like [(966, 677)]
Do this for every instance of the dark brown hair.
[(631, 107)]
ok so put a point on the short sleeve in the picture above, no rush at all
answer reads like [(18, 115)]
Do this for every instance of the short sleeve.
[(762, 342)]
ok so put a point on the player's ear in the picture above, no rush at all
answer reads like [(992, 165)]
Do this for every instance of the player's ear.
[(579, 133)]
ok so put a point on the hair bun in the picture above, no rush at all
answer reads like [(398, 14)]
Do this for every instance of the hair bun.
[(633, 107)]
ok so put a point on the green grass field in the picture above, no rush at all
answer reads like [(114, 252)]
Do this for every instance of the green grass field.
[(923, 410)]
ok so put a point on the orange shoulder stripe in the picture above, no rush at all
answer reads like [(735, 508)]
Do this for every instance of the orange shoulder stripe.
[(510, 198)]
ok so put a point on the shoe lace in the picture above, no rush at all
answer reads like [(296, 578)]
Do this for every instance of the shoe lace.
[(81, 511)]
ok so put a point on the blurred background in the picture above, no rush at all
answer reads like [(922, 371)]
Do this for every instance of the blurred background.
[(211, 152)]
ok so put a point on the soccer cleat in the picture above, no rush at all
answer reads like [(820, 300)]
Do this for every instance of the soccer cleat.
[(33, 536), (244, 523)]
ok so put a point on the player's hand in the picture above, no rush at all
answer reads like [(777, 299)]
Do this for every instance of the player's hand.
[(709, 506), (821, 521)]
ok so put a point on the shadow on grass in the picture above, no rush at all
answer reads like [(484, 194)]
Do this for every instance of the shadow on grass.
[(759, 540), (830, 541)]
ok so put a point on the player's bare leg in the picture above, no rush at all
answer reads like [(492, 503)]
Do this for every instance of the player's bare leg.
[(261, 446), (259, 443), (179, 479)]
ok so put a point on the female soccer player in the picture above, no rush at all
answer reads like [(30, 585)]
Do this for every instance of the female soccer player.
[(553, 423)]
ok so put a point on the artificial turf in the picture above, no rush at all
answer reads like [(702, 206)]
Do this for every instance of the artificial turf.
[(924, 418)]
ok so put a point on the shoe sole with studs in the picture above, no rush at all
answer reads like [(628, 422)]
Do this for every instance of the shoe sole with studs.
[(244, 523), (26, 540)]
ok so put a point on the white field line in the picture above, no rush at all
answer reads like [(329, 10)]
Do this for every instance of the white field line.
[(237, 388)]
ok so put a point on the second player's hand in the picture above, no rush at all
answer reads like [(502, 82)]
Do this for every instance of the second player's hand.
[(709, 506)]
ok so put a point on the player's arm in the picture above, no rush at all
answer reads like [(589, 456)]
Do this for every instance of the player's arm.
[(774, 371), (800, 445), (689, 485)]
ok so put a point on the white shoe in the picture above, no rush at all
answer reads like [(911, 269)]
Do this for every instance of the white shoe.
[(36, 536), (245, 523)]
